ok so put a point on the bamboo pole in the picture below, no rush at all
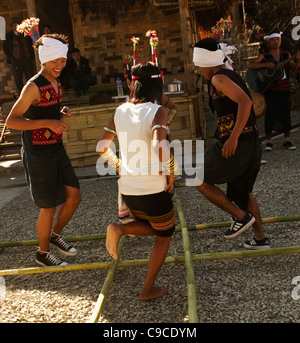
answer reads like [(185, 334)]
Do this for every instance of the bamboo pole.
[(192, 299), (52, 269), (106, 286), (144, 262), (267, 220), (67, 239), (203, 226), (246, 253)]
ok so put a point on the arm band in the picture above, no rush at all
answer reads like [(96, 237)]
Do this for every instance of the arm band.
[(167, 102), (171, 116), (155, 127), (171, 166), (110, 130), (111, 159)]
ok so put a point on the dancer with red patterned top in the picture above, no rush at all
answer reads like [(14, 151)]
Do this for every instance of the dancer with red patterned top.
[(50, 176)]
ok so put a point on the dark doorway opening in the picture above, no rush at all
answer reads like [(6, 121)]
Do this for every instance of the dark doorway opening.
[(55, 15)]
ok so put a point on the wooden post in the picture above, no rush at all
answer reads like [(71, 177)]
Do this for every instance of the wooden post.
[(237, 31), (32, 13), (190, 76), (186, 34)]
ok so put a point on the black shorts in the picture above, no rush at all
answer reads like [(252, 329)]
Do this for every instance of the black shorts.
[(156, 208), (47, 172), (278, 113), (239, 172)]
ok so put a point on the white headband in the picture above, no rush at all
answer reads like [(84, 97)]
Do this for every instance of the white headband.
[(206, 58), (273, 35), (52, 49)]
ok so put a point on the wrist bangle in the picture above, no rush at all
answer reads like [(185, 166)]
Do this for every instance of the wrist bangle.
[(171, 166), (110, 130), (111, 159), (155, 127)]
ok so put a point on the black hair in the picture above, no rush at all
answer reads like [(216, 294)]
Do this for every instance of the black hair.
[(208, 44), (74, 50), (128, 75), (147, 85), (58, 36)]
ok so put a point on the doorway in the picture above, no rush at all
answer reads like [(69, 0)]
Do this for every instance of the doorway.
[(55, 15)]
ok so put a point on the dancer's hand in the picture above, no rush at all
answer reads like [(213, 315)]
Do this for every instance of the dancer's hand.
[(65, 112), (170, 183), (229, 147), (58, 126)]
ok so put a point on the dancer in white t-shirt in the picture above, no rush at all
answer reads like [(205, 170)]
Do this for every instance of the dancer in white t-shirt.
[(141, 128)]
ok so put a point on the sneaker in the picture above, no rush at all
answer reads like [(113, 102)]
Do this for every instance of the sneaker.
[(239, 226), (289, 145), (269, 146), (48, 259), (255, 244), (63, 246)]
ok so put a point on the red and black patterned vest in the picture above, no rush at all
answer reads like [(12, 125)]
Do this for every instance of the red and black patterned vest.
[(227, 109), (47, 108)]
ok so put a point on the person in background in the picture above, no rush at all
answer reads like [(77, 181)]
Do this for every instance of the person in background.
[(20, 54), (278, 111), (46, 29), (79, 74)]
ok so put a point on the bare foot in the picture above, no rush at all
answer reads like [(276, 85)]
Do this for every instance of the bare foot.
[(113, 235), (155, 292)]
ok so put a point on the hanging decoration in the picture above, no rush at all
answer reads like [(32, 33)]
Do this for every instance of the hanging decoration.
[(135, 41), (153, 40), (30, 27), (222, 27)]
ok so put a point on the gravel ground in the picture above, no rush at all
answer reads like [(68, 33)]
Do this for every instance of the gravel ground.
[(252, 290)]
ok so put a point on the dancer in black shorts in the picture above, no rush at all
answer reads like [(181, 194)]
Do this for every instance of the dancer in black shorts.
[(235, 158), (50, 176)]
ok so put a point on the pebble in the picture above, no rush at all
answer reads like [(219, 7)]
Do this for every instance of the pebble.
[(255, 290)]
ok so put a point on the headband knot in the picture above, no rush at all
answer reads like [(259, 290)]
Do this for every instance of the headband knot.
[(228, 49)]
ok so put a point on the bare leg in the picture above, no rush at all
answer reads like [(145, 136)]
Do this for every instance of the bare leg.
[(44, 226), (67, 209), (253, 208), (156, 261), (219, 198), (116, 231), (157, 258)]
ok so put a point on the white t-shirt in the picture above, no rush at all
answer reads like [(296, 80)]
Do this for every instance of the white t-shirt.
[(140, 164)]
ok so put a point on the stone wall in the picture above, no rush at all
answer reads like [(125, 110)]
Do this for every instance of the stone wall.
[(104, 44), (8, 10), (87, 123)]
